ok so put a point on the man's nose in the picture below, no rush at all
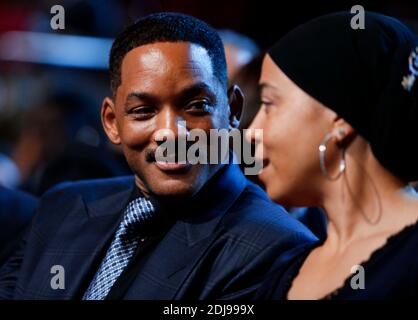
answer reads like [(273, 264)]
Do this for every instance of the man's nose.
[(170, 126)]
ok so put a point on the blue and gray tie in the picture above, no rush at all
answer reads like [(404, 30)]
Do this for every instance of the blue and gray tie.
[(121, 249)]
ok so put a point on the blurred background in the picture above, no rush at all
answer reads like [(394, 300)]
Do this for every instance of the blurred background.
[(52, 82)]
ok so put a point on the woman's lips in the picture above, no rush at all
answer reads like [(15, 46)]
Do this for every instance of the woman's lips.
[(265, 165), (171, 166)]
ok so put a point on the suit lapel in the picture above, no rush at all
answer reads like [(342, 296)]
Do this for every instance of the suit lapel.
[(85, 235), (188, 239)]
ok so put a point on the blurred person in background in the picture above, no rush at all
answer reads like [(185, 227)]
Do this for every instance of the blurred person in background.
[(61, 140), (16, 211), (239, 50)]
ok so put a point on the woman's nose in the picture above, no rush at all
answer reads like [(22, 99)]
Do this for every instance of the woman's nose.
[(252, 134)]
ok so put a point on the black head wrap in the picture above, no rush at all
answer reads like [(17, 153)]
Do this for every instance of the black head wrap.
[(361, 74)]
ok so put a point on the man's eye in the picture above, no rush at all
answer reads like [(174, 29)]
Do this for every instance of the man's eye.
[(143, 111), (200, 106)]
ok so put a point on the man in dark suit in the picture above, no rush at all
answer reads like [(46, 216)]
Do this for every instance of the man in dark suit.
[(16, 211), (176, 230)]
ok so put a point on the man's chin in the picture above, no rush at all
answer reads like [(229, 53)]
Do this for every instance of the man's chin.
[(170, 184), (174, 189)]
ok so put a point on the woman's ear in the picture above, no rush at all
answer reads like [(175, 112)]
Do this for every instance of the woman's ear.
[(109, 120), (342, 131), (236, 103)]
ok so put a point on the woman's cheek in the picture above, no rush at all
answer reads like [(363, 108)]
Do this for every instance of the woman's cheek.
[(270, 137)]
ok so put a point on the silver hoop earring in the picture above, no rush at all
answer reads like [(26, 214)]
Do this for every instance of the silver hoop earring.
[(322, 150)]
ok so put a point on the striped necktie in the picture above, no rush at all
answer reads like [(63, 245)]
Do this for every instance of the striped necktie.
[(121, 250)]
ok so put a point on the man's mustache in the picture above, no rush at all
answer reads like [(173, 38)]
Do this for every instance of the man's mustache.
[(150, 153)]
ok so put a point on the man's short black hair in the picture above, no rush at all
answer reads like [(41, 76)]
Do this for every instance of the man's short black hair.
[(167, 27)]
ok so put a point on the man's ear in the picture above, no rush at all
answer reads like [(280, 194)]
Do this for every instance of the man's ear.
[(236, 103), (109, 120)]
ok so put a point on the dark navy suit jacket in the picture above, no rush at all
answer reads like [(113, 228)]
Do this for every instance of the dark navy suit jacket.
[(222, 251)]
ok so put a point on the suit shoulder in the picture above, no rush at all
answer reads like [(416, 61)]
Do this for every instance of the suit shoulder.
[(254, 213), (62, 198), (254, 204), (89, 188)]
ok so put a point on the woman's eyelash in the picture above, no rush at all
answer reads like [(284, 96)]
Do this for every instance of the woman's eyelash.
[(266, 103)]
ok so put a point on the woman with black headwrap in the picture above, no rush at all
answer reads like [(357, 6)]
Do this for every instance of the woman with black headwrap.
[(340, 114)]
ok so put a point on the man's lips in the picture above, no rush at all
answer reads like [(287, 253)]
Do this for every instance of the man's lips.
[(171, 166)]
